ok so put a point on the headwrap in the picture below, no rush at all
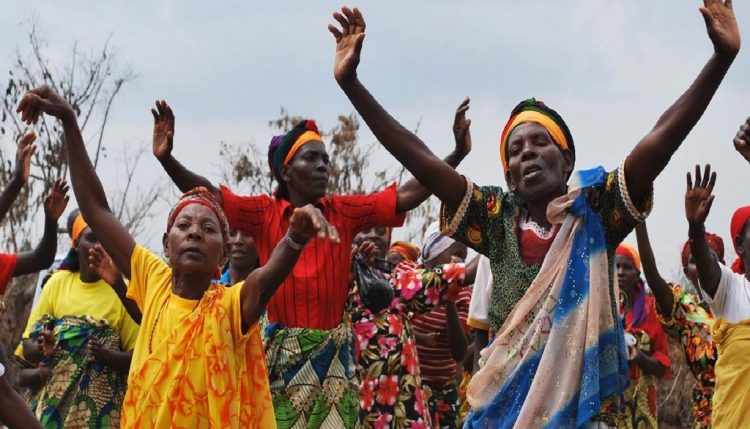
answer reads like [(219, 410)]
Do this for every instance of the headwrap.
[(405, 249), (304, 132), (434, 243), (714, 241), (201, 195), (624, 249), (275, 142), (79, 225), (737, 227), (531, 110)]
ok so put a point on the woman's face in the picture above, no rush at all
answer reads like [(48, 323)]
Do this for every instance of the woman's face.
[(194, 244), (691, 272), (627, 275), (243, 254), (456, 252)]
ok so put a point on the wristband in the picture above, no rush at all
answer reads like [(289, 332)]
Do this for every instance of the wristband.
[(292, 243)]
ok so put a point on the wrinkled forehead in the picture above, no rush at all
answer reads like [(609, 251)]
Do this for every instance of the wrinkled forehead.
[(196, 212)]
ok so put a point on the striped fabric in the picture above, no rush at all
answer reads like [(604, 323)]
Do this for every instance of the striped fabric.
[(561, 350), (436, 363)]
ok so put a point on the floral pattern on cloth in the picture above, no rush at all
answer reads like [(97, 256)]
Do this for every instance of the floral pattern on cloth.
[(391, 394), (444, 406), (313, 377), (691, 324), (79, 393)]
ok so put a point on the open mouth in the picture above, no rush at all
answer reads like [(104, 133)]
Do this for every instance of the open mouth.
[(193, 251), (531, 171)]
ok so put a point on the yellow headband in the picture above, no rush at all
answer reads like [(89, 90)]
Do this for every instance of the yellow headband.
[(306, 137), (554, 130), (79, 225)]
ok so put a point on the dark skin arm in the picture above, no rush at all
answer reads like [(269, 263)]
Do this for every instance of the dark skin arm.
[(103, 266), (698, 201), (20, 176), (456, 336), (481, 338), (115, 359), (43, 254), (471, 270), (306, 222), (87, 187), (648, 364), (647, 159), (662, 292), (33, 378), (13, 410)]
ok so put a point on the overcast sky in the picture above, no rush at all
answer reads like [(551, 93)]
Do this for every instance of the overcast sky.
[(609, 67)]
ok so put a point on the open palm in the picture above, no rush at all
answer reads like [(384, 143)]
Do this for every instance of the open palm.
[(721, 25), (163, 137), (348, 42), (57, 199), (698, 198)]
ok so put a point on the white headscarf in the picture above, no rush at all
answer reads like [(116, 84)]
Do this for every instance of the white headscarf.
[(434, 243)]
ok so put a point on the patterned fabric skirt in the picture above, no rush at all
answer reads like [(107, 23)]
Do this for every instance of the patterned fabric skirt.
[(443, 404), (79, 393), (312, 376), (640, 403)]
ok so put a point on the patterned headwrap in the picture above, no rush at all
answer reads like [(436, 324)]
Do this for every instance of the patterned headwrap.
[(714, 241), (434, 243), (531, 110), (628, 251), (275, 142), (737, 227), (304, 132), (201, 195), (405, 249)]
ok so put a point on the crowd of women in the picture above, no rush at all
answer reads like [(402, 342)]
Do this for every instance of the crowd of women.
[(318, 320)]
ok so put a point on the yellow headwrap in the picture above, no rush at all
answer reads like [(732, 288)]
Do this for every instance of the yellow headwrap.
[(306, 137), (554, 130), (79, 225)]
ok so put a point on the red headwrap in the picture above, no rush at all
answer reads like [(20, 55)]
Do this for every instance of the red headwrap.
[(737, 227), (714, 241)]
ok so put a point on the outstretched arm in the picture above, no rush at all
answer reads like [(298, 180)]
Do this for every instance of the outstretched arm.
[(698, 200), (412, 193), (44, 253), (102, 265), (662, 292), (651, 155), (21, 172), (163, 141), (306, 222), (436, 175), (13, 410), (87, 187)]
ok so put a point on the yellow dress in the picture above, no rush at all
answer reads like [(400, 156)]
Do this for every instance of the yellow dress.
[(193, 367)]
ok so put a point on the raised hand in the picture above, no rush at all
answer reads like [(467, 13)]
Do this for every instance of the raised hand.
[(461, 130), (163, 129), (57, 199), (309, 222), (698, 198), (742, 140), (43, 100), (103, 266), (722, 26), (348, 43), (25, 150)]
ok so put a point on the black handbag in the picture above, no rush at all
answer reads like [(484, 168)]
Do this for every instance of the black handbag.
[(375, 291)]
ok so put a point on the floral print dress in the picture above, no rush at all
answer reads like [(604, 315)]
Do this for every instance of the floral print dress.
[(691, 323), (390, 388)]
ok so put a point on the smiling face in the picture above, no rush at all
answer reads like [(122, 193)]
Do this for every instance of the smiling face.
[(537, 168), (194, 244), (308, 171)]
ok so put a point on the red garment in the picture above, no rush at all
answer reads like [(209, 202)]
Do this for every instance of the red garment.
[(7, 267), (657, 337), (533, 248), (314, 294), (436, 363)]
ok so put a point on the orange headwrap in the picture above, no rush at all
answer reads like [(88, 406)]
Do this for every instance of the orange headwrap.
[(737, 227), (79, 225), (554, 130), (306, 137), (628, 251), (405, 249)]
